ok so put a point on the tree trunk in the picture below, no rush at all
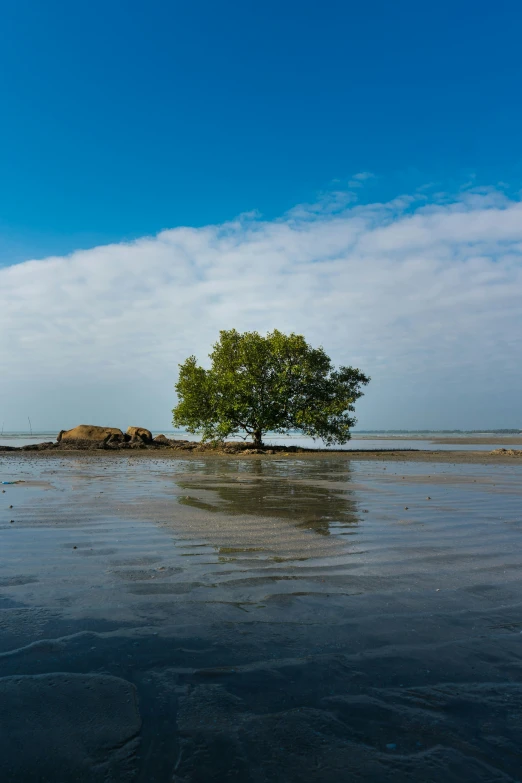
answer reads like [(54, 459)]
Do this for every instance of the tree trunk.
[(258, 443)]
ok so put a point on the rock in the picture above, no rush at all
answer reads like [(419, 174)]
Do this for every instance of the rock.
[(115, 439), (91, 432), (38, 446), (139, 433), (183, 444), (83, 445), (162, 440)]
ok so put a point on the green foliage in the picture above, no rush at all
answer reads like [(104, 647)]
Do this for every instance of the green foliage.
[(276, 383)]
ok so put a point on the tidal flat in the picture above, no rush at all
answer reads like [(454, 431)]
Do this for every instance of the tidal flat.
[(333, 618)]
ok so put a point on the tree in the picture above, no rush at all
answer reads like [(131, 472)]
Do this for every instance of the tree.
[(276, 383)]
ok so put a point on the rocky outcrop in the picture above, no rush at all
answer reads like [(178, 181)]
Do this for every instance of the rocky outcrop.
[(91, 432), (90, 437), (139, 434), (161, 440), (40, 446)]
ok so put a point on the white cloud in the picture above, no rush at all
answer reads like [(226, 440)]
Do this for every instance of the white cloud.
[(426, 297), (358, 180)]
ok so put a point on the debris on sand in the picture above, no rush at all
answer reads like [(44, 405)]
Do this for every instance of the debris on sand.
[(508, 452)]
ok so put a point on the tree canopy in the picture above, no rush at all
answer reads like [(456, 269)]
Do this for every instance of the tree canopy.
[(257, 384)]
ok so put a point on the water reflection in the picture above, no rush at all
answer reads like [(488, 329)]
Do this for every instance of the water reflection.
[(310, 495), (153, 640)]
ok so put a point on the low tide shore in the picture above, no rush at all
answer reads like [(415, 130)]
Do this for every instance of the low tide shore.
[(178, 617), (396, 455), (510, 441)]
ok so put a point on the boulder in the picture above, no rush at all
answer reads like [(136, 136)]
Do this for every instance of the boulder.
[(139, 434), (91, 432), (162, 440)]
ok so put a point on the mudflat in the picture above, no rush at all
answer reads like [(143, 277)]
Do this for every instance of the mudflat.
[(310, 617), (452, 457), (509, 441)]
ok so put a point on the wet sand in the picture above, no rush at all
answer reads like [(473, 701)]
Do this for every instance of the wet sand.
[(509, 441), (452, 456), (312, 618)]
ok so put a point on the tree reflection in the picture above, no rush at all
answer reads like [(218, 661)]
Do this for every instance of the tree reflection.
[(311, 495)]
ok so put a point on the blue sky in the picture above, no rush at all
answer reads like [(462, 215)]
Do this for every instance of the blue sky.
[(349, 171), (122, 118)]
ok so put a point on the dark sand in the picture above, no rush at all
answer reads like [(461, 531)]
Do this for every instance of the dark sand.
[(509, 441), (453, 457), (314, 618)]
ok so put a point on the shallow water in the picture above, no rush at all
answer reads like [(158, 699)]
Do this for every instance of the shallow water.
[(278, 620)]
